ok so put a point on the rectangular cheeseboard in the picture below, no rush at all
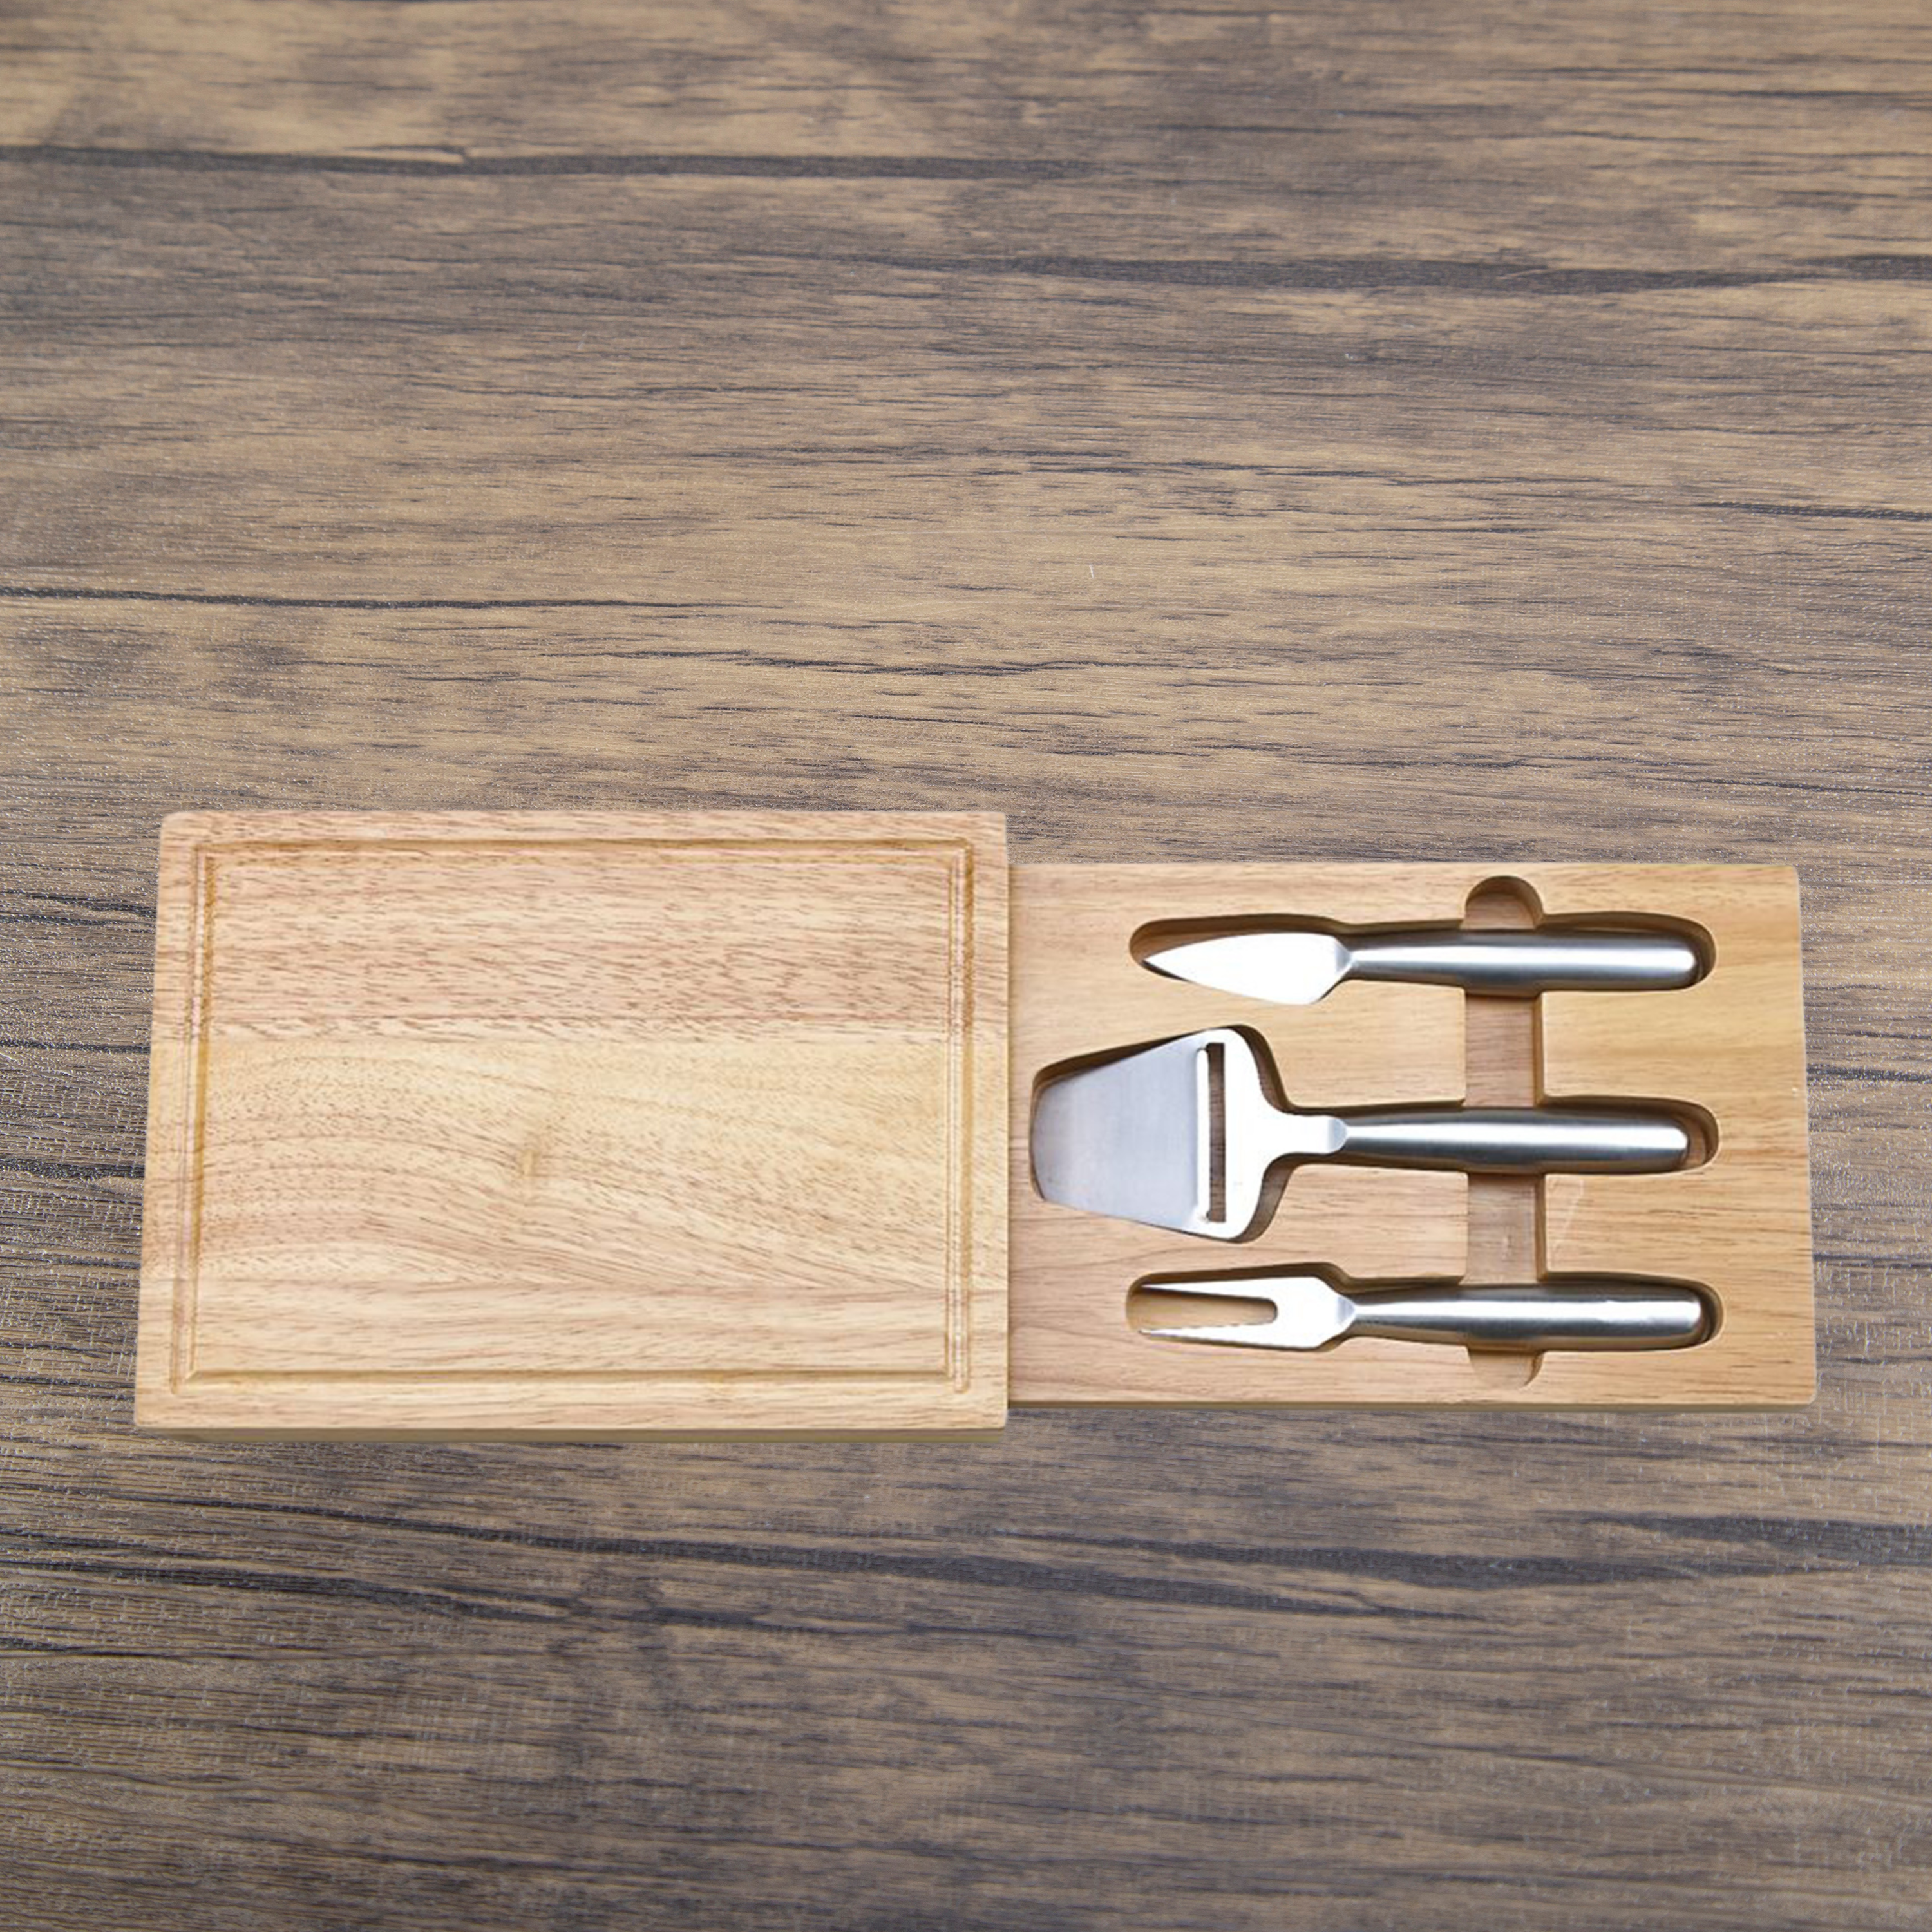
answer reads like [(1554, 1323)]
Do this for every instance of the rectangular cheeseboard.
[(601, 1125)]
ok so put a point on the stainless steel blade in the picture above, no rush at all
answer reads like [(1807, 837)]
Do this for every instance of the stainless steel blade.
[(1293, 969), (1179, 1136)]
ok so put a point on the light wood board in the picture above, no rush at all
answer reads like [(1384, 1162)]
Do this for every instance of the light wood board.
[(545, 1122), (1731, 1047)]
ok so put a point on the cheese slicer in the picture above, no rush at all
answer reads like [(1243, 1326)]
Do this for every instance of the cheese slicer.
[(1183, 1136)]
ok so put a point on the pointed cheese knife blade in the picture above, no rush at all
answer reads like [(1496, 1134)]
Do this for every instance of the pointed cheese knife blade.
[(1296, 969)]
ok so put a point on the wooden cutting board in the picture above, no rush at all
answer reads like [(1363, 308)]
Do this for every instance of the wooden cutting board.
[(538, 1123)]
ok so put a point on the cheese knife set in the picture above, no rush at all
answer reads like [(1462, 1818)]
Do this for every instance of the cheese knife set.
[(1184, 1135), (628, 1124)]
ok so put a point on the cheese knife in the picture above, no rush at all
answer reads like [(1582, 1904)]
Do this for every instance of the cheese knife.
[(1295, 969)]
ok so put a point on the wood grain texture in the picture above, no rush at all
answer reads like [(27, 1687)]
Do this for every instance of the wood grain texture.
[(579, 1124), (1731, 1048), (1315, 434)]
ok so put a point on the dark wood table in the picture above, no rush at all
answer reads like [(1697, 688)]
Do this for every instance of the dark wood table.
[(1200, 433)]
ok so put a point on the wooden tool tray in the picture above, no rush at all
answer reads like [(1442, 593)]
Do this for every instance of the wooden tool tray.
[(633, 1124)]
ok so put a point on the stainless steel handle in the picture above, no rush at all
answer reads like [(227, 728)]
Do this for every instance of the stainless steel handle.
[(1524, 964), (1504, 1140), (1527, 1321)]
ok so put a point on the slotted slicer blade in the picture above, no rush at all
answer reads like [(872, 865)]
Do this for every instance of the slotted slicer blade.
[(1178, 1135), (1123, 1137)]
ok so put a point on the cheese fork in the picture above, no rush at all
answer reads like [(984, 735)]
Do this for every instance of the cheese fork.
[(1307, 1311)]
